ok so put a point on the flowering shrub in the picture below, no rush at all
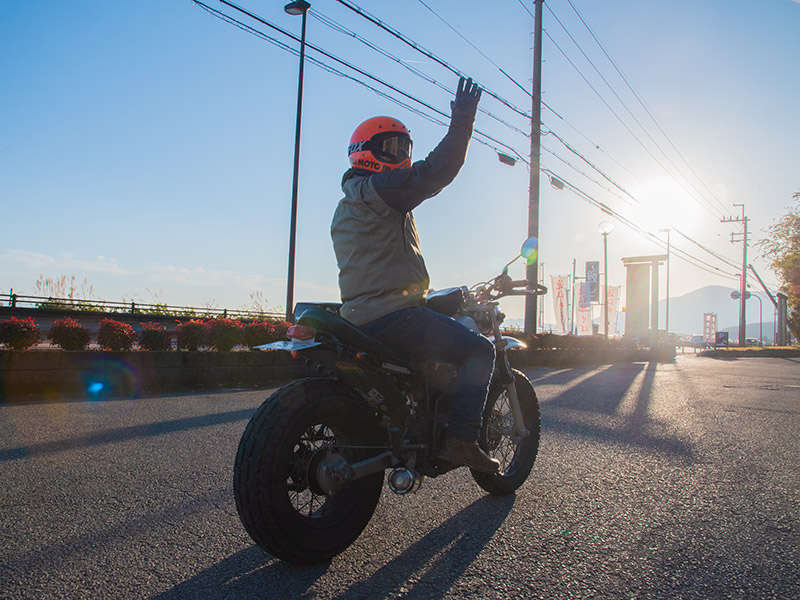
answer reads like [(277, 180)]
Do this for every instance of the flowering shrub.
[(192, 334), (255, 334), (153, 337), (19, 334), (279, 329), (224, 334), (116, 336), (68, 334)]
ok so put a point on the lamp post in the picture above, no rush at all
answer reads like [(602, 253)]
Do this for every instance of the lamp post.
[(666, 322), (605, 227), (300, 7)]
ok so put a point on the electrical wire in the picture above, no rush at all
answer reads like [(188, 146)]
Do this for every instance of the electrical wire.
[(591, 164), (642, 103), (245, 27), (333, 70), (478, 50), (332, 24), (613, 112), (586, 175), (702, 247), (693, 260), (375, 21)]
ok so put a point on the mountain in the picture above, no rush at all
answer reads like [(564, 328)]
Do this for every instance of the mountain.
[(686, 313)]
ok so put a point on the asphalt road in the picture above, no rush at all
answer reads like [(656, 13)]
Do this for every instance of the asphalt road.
[(653, 481)]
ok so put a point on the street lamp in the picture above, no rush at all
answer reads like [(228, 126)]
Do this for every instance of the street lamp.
[(300, 7), (605, 227), (666, 324)]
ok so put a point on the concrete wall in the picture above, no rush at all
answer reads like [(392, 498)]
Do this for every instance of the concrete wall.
[(59, 374)]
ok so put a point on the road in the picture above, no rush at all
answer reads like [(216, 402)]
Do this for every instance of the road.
[(676, 480)]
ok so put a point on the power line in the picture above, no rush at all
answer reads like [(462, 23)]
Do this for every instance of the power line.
[(700, 198), (693, 260), (331, 23), (628, 129), (478, 50), (333, 70), (616, 95), (254, 31), (642, 103), (591, 164), (577, 170), (375, 21), (702, 247)]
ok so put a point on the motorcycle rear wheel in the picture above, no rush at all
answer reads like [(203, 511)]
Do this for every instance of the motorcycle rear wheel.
[(278, 496), (516, 459)]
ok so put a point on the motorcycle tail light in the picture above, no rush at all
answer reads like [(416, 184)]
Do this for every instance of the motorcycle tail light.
[(300, 332)]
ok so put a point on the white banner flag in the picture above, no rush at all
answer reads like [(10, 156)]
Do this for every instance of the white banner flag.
[(584, 321), (560, 290), (614, 293)]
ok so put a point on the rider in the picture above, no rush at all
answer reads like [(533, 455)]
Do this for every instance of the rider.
[(382, 276)]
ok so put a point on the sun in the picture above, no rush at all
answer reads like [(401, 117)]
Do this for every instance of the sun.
[(663, 204)]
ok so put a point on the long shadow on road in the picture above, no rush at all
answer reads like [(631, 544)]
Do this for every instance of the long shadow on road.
[(602, 395), (427, 569), (122, 434)]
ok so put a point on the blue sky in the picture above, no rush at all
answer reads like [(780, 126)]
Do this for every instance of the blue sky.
[(147, 146)]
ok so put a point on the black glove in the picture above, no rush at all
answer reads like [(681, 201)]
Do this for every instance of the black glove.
[(467, 97)]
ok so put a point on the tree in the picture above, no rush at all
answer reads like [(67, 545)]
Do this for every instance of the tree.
[(782, 248)]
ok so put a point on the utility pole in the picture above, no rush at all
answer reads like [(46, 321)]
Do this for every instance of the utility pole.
[(532, 271), (743, 278)]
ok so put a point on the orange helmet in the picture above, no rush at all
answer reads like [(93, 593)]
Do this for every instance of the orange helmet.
[(380, 144)]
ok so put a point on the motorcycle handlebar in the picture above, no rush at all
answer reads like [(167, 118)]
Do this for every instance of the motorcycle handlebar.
[(530, 290), (519, 283)]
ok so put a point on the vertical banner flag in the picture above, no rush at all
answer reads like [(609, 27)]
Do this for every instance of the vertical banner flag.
[(560, 289), (592, 279), (584, 317), (614, 293)]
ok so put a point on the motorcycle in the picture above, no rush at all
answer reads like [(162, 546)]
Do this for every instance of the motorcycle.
[(310, 465)]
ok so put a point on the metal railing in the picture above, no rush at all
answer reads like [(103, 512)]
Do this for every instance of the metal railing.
[(131, 308)]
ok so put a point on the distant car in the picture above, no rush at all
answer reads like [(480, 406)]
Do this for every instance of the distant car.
[(753, 342)]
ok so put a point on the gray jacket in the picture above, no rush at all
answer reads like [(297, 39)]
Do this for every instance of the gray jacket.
[(375, 238)]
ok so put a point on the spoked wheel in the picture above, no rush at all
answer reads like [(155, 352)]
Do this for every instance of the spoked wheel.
[(286, 496), (516, 458)]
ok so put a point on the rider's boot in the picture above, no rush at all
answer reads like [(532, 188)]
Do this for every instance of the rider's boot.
[(461, 451)]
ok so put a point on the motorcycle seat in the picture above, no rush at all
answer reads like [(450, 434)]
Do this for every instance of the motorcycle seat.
[(350, 335)]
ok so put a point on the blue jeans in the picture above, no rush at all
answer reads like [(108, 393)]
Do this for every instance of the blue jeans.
[(426, 335)]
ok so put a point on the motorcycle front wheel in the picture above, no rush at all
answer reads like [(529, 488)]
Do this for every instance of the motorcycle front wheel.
[(278, 474), (516, 458)]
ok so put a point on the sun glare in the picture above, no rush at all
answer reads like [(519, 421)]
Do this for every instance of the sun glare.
[(664, 204)]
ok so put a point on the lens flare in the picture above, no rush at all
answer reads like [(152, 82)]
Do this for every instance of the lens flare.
[(95, 387), (111, 377)]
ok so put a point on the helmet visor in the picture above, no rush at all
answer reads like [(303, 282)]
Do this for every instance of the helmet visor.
[(391, 147)]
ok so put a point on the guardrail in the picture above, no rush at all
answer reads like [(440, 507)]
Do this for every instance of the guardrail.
[(133, 308)]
